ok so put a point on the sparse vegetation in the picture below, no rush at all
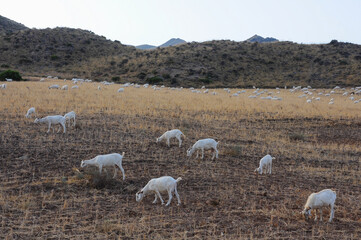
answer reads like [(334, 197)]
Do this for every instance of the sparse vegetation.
[(47, 195)]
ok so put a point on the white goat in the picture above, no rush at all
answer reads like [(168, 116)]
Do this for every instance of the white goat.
[(3, 85), (120, 90), (265, 163), (54, 86), (30, 111), (175, 133), (69, 116), (324, 198), (204, 144), (75, 87), (65, 87), (57, 119), (157, 185), (112, 159)]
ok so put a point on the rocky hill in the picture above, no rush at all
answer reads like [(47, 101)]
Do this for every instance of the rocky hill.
[(67, 53), (260, 39), (9, 26)]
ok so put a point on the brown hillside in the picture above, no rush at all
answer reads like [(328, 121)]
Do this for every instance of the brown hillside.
[(40, 51), (73, 52)]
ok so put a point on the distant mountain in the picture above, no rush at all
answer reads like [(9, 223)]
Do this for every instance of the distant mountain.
[(260, 39), (171, 42), (146, 47), (10, 26)]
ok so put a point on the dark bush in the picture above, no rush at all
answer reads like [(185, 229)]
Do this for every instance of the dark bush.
[(115, 79), (154, 80), (14, 75)]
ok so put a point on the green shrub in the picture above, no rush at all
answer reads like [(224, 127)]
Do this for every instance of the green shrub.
[(14, 75), (54, 57)]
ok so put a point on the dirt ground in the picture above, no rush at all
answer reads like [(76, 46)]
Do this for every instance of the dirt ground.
[(43, 196)]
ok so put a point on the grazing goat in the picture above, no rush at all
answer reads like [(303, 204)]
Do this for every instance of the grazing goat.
[(265, 163), (112, 159), (30, 111), (324, 198), (120, 90), (57, 119), (157, 185), (65, 87), (54, 86), (175, 133), (69, 116), (204, 144)]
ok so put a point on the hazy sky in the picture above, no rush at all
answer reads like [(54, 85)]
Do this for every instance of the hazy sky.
[(153, 22)]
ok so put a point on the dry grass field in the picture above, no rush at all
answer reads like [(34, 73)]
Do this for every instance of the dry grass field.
[(44, 196)]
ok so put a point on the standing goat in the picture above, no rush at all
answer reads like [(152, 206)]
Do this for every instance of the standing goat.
[(175, 133), (318, 200), (69, 116), (112, 159), (57, 119), (157, 185), (265, 165), (30, 111), (204, 144)]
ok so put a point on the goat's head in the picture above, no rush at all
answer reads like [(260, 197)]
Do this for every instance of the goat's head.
[(189, 152), (36, 120), (258, 170), (306, 212), (83, 164), (139, 196)]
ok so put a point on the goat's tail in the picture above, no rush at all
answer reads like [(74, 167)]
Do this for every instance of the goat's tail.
[(178, 179)]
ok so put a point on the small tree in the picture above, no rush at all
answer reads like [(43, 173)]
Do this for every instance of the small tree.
[(14, 75)]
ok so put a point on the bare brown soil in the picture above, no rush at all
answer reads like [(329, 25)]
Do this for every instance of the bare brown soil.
[(42, 196)]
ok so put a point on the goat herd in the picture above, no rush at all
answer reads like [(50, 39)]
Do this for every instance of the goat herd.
[(316, 201)]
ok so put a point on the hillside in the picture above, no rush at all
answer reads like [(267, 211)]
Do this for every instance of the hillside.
[(44, 50), (9, 26), (67, 53), (242, 64)]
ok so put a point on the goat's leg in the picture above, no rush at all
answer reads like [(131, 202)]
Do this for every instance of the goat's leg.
[(177, 195), (160, 197), (180, 141), (202, 153), (332, 213), (63, 127), (100, 169), (170, 197), (115, 171), (121, 169), (216, 153), (49, 127), (74, 122), (168, 143), (316, 214), (320, 214), (155, 199)]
